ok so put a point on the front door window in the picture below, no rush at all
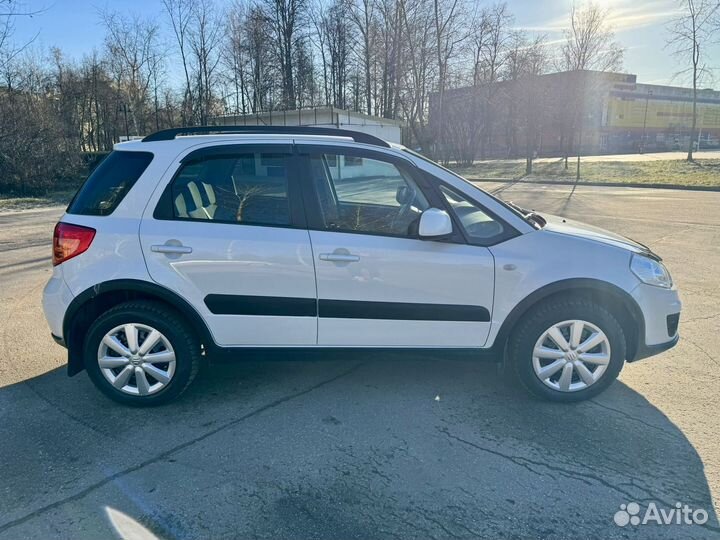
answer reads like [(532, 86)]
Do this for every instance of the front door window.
[(366, 195)]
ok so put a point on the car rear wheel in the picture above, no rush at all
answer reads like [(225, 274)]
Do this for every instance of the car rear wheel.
[(141, 353), (567, 350)]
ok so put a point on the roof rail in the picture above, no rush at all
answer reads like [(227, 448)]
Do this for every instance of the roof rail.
[(357, 136)]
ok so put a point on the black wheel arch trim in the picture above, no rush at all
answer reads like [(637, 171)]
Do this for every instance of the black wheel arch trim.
[(568, 286), (147, 288)]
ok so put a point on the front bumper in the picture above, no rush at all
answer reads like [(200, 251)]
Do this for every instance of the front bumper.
[(661, 312), (645, 351)]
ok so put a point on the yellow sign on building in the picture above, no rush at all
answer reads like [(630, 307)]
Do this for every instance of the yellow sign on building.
[(636, 112)]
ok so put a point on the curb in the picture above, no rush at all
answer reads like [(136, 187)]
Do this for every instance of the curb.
[(597, 184)]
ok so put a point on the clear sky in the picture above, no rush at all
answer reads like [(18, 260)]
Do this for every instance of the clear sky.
[(73, 25)]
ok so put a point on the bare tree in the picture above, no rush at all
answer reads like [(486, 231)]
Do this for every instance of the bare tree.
[(392, 35), (133, 51), (448, 18), (317, 15), (417, 71), (258, 36), (489, 41), (363, 13), (490, 37), (306, 87), (690, 35), (205, 37), (235, 55), (338, 38), (59, 115), (34, 149), (590, 42), (286, 16), (9, 50), (589, 45), (180, 13), (526, 60)]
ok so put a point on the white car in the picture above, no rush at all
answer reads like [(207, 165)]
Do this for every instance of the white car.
[(199, 241)]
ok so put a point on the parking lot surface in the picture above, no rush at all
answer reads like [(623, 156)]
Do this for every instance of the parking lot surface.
[(369, 446)]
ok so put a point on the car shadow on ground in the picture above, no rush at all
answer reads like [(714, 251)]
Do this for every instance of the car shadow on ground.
[(358, 448)]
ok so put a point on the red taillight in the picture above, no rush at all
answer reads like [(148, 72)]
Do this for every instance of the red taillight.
[(70, 240)]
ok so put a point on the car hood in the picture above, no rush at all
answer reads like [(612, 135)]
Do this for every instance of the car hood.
[(561, 225)]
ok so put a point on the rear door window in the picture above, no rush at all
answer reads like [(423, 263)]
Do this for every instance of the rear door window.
[(108, 184), (247, 188)]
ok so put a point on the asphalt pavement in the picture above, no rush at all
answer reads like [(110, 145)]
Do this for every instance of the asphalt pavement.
[(369, 446)]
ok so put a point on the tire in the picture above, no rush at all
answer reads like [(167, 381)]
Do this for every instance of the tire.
[(162, 381), (562, 313)]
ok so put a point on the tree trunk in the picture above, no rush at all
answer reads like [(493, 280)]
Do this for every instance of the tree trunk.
[(368, 77), (579, 151), (696, 56)]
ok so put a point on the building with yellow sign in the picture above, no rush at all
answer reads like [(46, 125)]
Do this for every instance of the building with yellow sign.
[(654, 118), (565, 113)]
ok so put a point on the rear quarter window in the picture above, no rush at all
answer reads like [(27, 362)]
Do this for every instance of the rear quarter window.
[(108, 184)]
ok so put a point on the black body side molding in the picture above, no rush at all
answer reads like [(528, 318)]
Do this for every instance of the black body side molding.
[(352, 309), (227, 304)]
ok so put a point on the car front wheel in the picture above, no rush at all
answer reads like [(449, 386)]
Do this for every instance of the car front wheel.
[(567, 349), (141, 353)]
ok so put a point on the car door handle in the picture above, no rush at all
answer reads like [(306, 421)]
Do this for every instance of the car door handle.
[(167, 248), (339, 257)]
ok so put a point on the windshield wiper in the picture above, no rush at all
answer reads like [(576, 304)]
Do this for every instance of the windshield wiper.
[(530, 216), (537, 219)]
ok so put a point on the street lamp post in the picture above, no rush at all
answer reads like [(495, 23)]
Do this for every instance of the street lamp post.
[(642, 142), (700, 131)]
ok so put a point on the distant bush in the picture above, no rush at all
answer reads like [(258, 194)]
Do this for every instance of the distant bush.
[(34, 154)]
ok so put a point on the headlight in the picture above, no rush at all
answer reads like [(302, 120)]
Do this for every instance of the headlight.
[(650, 271)]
